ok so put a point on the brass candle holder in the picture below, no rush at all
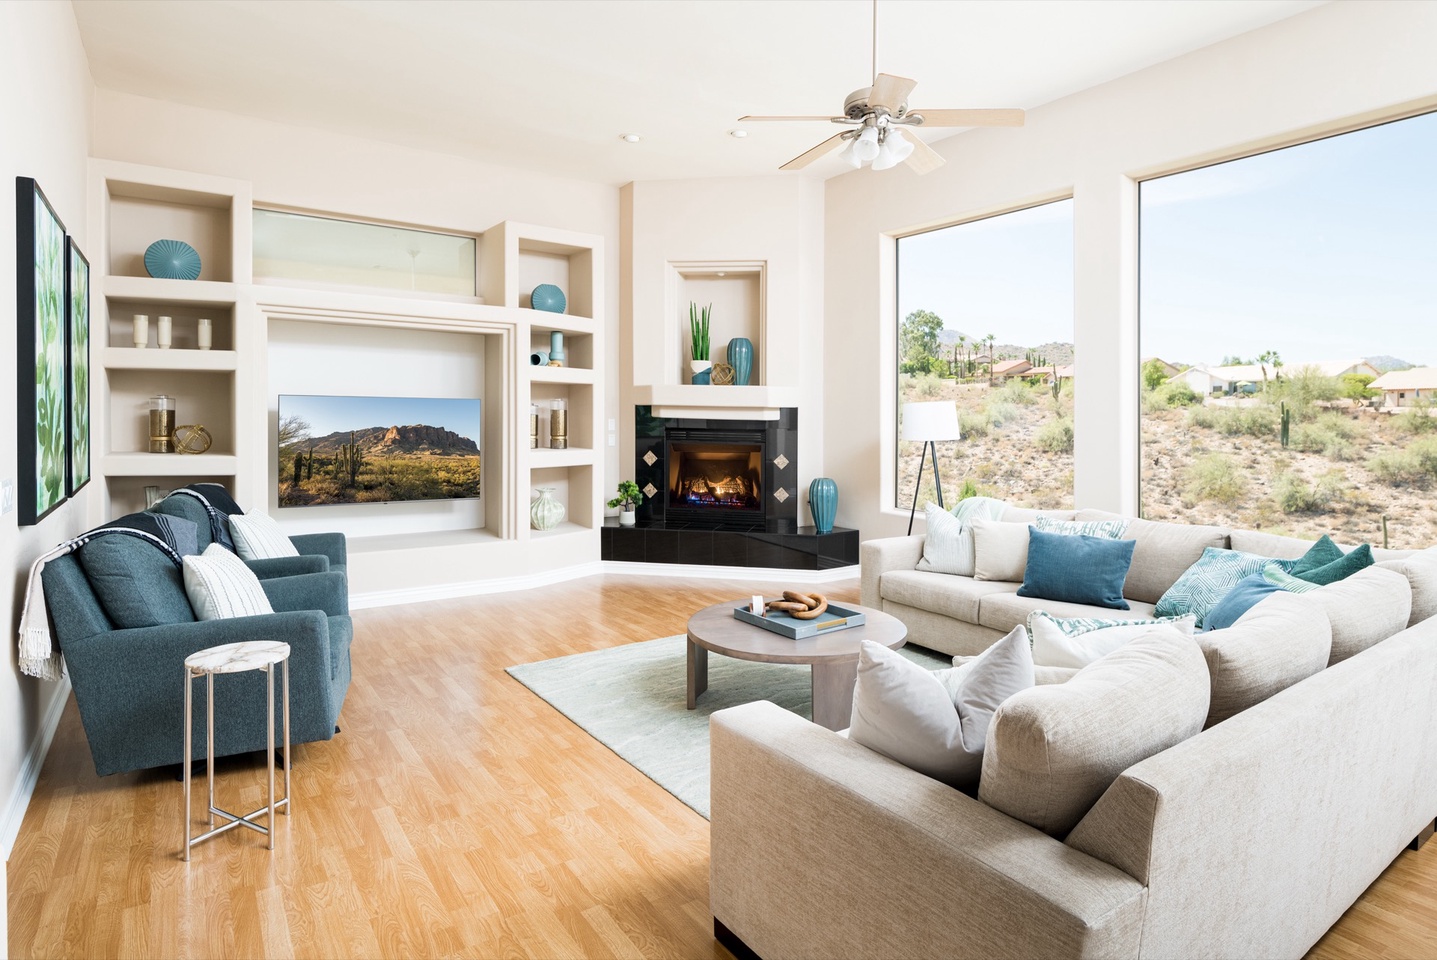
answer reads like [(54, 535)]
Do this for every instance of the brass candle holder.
[(559, 425), (162, 424)]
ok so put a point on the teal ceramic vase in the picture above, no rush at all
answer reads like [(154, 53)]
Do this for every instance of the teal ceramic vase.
[(823, 503), (556, 348), (740, 357)]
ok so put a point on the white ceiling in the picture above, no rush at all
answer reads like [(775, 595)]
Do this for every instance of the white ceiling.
[(551, 85)]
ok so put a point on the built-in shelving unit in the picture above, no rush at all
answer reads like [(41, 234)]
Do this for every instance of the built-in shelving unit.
[(266, 340), (136, 206)]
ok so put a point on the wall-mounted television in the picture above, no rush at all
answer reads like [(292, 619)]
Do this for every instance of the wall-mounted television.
[(340, 450)]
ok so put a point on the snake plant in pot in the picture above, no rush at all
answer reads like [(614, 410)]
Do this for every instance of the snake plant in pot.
[(629, 497), (699, 341)]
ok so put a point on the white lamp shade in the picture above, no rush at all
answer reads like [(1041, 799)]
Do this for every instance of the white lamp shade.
[(929, 420)]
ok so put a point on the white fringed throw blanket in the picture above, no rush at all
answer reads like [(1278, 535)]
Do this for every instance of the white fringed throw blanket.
[(38, 654)]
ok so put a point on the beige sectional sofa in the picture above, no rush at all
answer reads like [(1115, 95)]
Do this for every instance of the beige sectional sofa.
[(1248, 839)]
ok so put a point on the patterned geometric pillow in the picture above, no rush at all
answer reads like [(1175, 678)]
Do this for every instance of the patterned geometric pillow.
[(1208, 580), (1107, 529), (1287, 581), (1079, 641)]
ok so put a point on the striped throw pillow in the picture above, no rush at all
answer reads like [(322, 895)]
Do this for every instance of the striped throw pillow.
[(1107, 529), (220, 586), (258, 537), (1276, 575)]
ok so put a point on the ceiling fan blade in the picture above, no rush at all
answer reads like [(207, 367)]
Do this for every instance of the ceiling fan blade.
[(923, 159), (808, 156), (889, 91), (745, 119), (970, 118)]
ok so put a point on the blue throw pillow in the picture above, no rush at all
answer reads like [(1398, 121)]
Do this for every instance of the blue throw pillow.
[(1208, 580), (1077, 568), (1248, 592)]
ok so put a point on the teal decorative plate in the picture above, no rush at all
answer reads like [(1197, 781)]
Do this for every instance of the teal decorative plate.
[(172, 260), (549, 298)]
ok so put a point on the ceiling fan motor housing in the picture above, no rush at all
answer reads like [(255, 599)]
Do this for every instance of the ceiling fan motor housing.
[(856, 106)]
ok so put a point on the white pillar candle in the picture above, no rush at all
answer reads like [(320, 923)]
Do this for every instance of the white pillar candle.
[(163, 332), (204, 333), (142, 331)]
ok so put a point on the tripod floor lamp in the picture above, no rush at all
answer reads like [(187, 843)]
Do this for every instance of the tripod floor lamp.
[(927, 423)]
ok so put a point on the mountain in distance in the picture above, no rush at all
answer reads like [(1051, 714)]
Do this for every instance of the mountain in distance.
[(396, 441), (1386, 363), (1055, 352)]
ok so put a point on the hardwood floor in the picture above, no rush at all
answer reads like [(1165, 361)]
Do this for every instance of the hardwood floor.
[(456, 815)]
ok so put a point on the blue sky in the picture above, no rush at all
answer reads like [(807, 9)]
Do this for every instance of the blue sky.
[(1011, 275), (328, 415), (1323, 251)]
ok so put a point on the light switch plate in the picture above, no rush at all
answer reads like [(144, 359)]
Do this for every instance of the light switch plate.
[(613, 424), (613, 439), (7, 495)]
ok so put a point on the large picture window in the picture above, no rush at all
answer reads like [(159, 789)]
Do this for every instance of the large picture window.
[(985, 322), (1289, 336)]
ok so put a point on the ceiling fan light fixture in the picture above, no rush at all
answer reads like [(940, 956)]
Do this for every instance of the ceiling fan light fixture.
[(898, 145), (865, 148), (850, 156)]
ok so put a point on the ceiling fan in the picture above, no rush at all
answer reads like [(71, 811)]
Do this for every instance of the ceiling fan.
[(875, 116)]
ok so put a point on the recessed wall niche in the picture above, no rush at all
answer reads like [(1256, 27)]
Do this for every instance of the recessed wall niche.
[(335, 358), (738, 294)]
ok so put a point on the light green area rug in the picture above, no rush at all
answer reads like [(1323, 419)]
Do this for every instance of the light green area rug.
[(631, 699)]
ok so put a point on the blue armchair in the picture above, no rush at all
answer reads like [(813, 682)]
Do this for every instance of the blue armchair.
[(124, 624)]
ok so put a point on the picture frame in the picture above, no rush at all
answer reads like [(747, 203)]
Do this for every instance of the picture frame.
[(77, 356), (41, 314)]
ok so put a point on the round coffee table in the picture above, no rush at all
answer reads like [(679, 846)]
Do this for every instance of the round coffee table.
[(832, 656)]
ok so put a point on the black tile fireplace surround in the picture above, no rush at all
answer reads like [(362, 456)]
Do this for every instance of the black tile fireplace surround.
[(722, 492)]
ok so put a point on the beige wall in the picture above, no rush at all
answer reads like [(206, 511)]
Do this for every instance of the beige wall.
[(45, 116), (1338, 64), (775, 220), (326, 172)]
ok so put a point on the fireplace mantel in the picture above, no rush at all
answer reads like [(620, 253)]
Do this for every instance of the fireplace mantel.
[(700, 401)]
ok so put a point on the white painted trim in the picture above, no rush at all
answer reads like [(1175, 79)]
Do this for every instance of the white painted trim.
[(19, 800), (474, 588)]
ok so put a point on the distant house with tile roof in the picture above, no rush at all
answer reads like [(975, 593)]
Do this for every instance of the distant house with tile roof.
[(1406, 388), (1004, 369)]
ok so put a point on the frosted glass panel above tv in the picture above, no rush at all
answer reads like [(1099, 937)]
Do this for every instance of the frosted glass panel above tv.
[(329, 252)]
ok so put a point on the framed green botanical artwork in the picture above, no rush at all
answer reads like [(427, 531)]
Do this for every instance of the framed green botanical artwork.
[(77, 405), (40, 315)]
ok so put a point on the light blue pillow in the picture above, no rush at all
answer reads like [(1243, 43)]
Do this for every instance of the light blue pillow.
[(1106, 529), (1077, 569), (1246, 594), (1208, 580)]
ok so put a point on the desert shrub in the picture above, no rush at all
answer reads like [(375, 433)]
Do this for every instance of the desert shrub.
[(1295, 495), (1355, 387), (1330, 435), (1000, 413), (1415, 463), (1169, 396), (1417, 419), (972, 424), (920, 365), (1014, 391), (1301, 389), (970, 488), (1235, 421), (927, 385), (1213, 476), (1056, 436)]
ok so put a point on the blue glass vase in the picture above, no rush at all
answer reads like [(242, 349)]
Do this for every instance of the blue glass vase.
[(823, 503), (740, 357)]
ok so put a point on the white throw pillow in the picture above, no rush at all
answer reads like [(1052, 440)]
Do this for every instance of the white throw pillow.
[(1000, 550), (947, 545), (936, 723), (1077, 642), (220, 586), (257, 537)]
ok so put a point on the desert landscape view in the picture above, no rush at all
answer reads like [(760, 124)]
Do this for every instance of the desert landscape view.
[(377, 465), (1341, 464)]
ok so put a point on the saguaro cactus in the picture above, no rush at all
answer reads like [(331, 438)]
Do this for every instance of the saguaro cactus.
[(351, 458), (1286, 423), (298, 467)]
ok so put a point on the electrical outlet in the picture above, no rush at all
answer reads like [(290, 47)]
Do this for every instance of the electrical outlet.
[(613, 425), (7, 495)]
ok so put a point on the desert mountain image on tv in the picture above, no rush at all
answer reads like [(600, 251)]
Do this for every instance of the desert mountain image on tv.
[(334, 450)]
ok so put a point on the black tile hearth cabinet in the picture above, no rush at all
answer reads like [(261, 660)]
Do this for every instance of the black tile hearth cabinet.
[(805, 549)]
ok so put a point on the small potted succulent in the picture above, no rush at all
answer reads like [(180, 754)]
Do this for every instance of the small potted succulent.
[(629, 497)]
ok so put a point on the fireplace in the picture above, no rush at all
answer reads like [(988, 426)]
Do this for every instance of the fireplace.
[(714, 475), (718, 474)]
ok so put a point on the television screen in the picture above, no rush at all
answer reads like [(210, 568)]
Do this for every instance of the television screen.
[(377, 449)]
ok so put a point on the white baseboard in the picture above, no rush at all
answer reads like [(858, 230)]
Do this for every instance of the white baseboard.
[(474, 588), (29, 775)]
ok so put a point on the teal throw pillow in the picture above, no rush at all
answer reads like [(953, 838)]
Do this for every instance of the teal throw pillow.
[(137, 585), (1248, 593), (1320, 554), (1340, 569), (1208, 580), (1077, 569)]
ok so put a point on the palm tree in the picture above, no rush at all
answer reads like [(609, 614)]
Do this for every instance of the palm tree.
[(957, 372), (991, 340), (1263, 359)]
